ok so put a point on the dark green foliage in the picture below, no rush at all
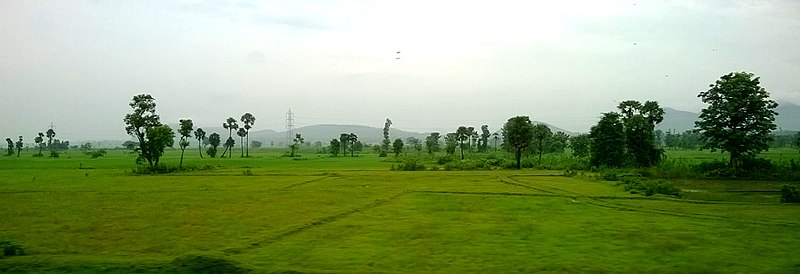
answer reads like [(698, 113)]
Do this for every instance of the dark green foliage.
[(10, 150), (558, 142), (608, 141), (739, 117), (397, 146), (484, 141), (580, 145), (450, 143), (518, 135), (298, 140), (649, 187), (144, 124), (256, 144), (462, 135), (789, 194), (203, 263), (353, 138), (19, 145), (213, 141), (541, 138), (231, 125), (241, 133), (386, 143), (334, 147), (200, 136), (186, 132), (410, 163), (9, 248), (94, 154), (639, 121), (432, 142), (39, 143)]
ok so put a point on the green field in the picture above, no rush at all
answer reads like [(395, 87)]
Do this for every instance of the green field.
[(323, 214)]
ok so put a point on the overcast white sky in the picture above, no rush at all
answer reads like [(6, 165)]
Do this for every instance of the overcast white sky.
[(78, 63)]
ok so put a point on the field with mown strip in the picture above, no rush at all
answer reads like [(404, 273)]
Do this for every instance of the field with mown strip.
[(324, 214)]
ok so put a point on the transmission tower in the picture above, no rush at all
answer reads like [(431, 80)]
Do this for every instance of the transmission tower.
[(289, 127)]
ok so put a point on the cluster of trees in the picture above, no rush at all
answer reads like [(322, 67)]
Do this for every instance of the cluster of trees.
[(153, 136), (53, 144), (690, 139), (350, 141), (627, 137)]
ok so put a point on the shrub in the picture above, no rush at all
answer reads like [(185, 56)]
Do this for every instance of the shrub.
[(609, 175), (8, 248), (94, 154), (649, 188), (410, 163), (789, 194)]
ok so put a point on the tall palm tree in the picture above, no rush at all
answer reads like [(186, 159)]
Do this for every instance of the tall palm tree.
[(229, 124), (248, 120)]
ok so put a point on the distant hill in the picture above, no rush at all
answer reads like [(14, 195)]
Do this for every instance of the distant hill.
[(788, 118)]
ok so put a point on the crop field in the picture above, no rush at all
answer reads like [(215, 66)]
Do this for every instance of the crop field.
[(332, 215)]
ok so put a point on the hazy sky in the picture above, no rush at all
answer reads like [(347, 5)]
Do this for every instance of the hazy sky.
[(78, 63)]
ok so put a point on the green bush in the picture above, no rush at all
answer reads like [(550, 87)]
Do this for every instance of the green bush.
[(8, 248), (649, 188), (94, 154), (789, 194)]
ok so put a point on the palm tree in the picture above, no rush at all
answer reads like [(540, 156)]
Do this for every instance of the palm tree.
[(229, 124), (200, 135), (248, 120), (39, 142), (241, 132), (353, 138)]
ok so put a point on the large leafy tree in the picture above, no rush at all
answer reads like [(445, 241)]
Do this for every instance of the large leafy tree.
[(608, 141), (450, 143), (186, 132), (462, 135), (559, 142), (248, 120), (541, 137), (213, 141), (10, 147), (432, 142), (639, 122), (231, 125), (518, 135), (200, 135), (739, 116), (298, 140), (139, 124)]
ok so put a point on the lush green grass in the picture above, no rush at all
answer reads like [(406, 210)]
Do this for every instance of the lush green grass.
[(323, 214)]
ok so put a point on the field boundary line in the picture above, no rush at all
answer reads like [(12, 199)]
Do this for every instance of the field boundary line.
[(315, 223)]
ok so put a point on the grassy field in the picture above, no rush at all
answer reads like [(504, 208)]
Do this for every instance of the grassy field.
[(322, 214)]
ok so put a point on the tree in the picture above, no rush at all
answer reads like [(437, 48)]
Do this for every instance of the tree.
[(159, 137), (344, 140), (214, 141), (432, 142), (496, 137), (397, 146), (541, 137), (19, 145), (200, 135), (386, 142), (231, 125), (186, 132), (256, 144), (463, 134), (608, 141), (298, 140), (50, 135), (739, 116), (241, 133), (353, 138), (484, 142), (518, 135), (335, 146), (10, 147), (558, 142), (580, 145), (639, 122), (450, 143), (472, 137), (248, 120), (415, 143), (39, 140), (139, 124)]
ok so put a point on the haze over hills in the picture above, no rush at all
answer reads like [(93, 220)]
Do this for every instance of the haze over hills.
[(788, 118)]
